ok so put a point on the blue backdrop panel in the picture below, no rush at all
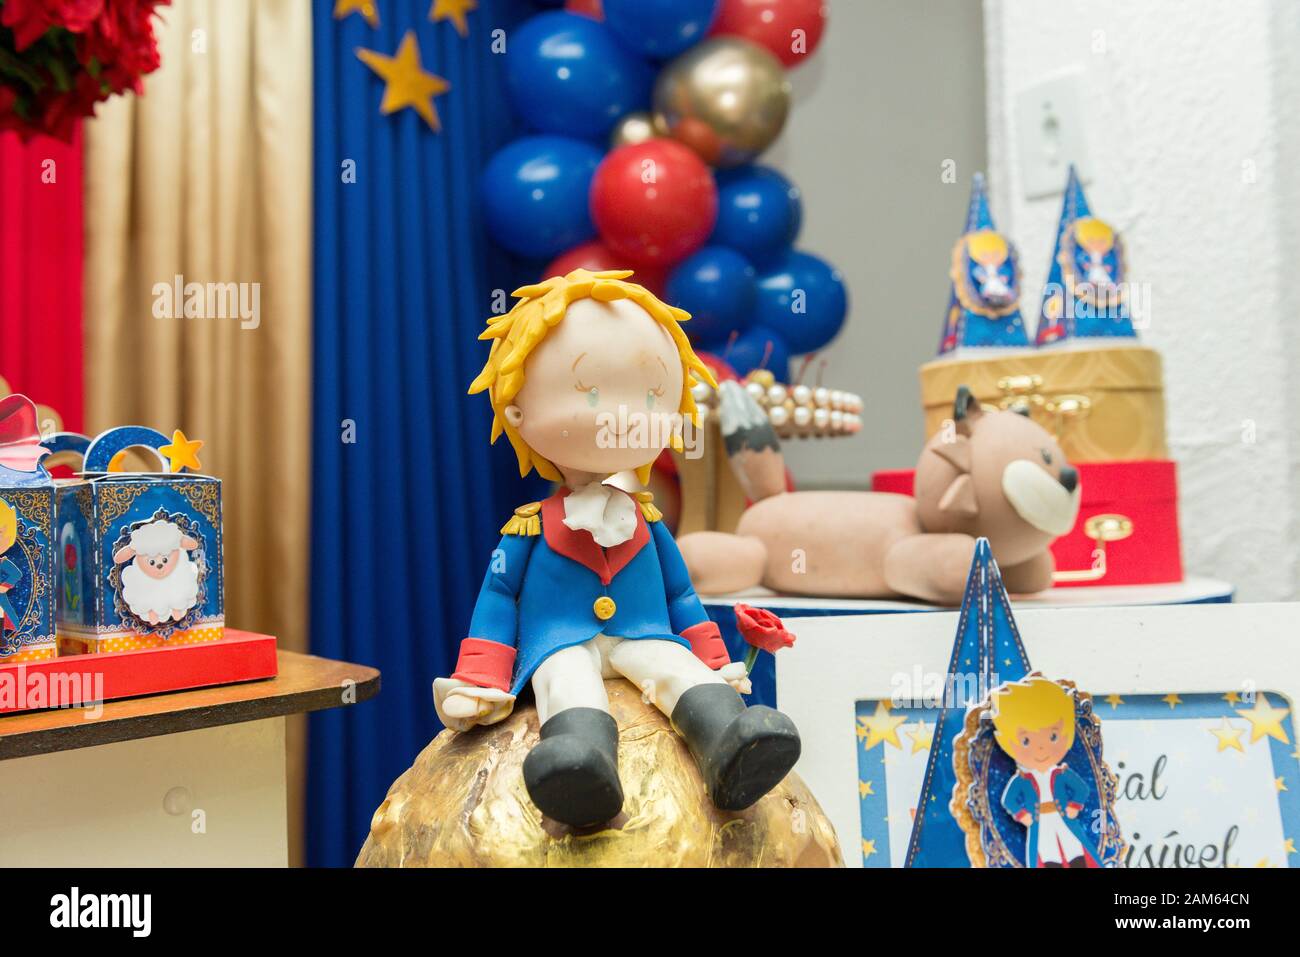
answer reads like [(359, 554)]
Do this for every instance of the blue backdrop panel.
[(405, 516)]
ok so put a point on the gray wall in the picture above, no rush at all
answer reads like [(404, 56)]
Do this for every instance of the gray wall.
[(896, 88)]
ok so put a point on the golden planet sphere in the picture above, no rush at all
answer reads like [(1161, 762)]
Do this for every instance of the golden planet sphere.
[(463, 804)]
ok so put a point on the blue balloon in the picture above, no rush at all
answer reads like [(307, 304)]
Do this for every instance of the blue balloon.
[(759, 212), (802, 298), (662, 29), (759, 348), (567, 74), (535, 194), (717, 287)]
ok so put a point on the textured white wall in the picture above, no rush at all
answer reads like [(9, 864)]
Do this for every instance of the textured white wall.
[(1192, 114)]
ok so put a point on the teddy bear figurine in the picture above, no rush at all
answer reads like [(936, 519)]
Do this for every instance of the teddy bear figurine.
[(994, 474), (590, 379)]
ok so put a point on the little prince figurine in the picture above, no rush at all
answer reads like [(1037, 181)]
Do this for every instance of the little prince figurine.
[(590, 379)]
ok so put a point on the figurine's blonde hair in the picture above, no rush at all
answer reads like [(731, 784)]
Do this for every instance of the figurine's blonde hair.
[(1094, 234), (1033, 704), (8, 526), (540, 309), (987, 247)]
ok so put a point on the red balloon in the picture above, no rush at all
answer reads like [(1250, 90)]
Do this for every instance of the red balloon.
[(791, 29), (721, 369), (597, 257), (594, 9), (654, 202)]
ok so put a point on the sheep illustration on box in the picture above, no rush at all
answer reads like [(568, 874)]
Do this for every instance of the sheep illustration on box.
[(140, 562)]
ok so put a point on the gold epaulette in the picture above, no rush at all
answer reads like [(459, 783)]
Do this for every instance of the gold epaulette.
[(525, 521), (647, 502)]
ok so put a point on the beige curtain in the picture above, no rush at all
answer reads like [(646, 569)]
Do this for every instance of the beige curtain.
[(208, 177)]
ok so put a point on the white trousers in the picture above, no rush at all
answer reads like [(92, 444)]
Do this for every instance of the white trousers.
[(574, 677)]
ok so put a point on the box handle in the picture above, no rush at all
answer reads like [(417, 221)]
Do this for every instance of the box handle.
[(1020, 393), (1065, 408), (1101, 529)]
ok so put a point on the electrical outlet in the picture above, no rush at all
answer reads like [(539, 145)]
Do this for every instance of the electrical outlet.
[(1050, 134)]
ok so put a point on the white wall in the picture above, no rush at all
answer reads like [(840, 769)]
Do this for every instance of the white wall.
[(1192, 115), (895, 89)]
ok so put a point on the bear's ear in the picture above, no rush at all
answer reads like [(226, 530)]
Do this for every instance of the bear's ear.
[(956, 453), (965, 410), (959, 498)]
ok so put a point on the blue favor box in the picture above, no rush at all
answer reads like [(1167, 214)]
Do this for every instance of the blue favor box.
[(26, 565), (26, 537), (139, 553)]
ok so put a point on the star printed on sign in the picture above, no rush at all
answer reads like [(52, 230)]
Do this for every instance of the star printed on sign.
[(367, 8), (1265, 720), (407, 82), (881, 726), (455, 11)]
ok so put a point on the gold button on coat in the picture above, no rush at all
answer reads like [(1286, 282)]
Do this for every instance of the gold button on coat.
[(604, 608)]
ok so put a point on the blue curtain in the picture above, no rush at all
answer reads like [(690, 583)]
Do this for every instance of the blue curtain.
[(407, 496)]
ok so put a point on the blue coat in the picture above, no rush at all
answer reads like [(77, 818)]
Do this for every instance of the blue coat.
[(9, 575), (541, 591), (1021, 794)]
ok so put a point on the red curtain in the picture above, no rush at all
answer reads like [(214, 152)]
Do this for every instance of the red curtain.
[(40, 272)]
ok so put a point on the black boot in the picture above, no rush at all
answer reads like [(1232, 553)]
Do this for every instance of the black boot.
[(742, 752), (572, 773)]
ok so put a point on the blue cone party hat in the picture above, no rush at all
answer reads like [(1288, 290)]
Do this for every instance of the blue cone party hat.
[(1084, 296), (987, 652), (984, 305)]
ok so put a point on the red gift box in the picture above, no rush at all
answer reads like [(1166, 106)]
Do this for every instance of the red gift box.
[(1127, 530)]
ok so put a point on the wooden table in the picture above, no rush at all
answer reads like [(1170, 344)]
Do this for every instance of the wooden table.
[(192, 778)]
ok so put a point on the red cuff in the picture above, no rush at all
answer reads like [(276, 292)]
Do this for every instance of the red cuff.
[(707, 644), (488, 664)]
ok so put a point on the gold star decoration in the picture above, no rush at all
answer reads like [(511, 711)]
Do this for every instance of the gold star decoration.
[(881, 726), (182, 452), (1281, 785), (1229, 737), (1266, 720), (865, 788), (1232, 697), (455, 11), (1114, 700), (868, 848), (1172, 700), (407, 83), (367, 8), (922, 737)]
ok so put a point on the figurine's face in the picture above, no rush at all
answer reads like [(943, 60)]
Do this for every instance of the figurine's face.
[(601, 391), (1040, 750), (157, 566)]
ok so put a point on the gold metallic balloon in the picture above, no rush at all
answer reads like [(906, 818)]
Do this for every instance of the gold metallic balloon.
[(726, 98), (463, 804), (634, 128)]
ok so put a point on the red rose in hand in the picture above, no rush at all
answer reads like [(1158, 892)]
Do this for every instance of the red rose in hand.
[(762, 629)]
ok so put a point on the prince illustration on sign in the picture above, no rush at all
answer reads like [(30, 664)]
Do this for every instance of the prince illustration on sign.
[(1034, 722)]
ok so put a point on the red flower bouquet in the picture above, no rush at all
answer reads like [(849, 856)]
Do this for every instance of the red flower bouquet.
[(58, 58), (762, 631)]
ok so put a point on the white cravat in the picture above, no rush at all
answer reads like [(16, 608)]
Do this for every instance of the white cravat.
[(606, 512)]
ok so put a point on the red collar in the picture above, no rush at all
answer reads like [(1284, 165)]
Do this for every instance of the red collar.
[(578, 545)]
